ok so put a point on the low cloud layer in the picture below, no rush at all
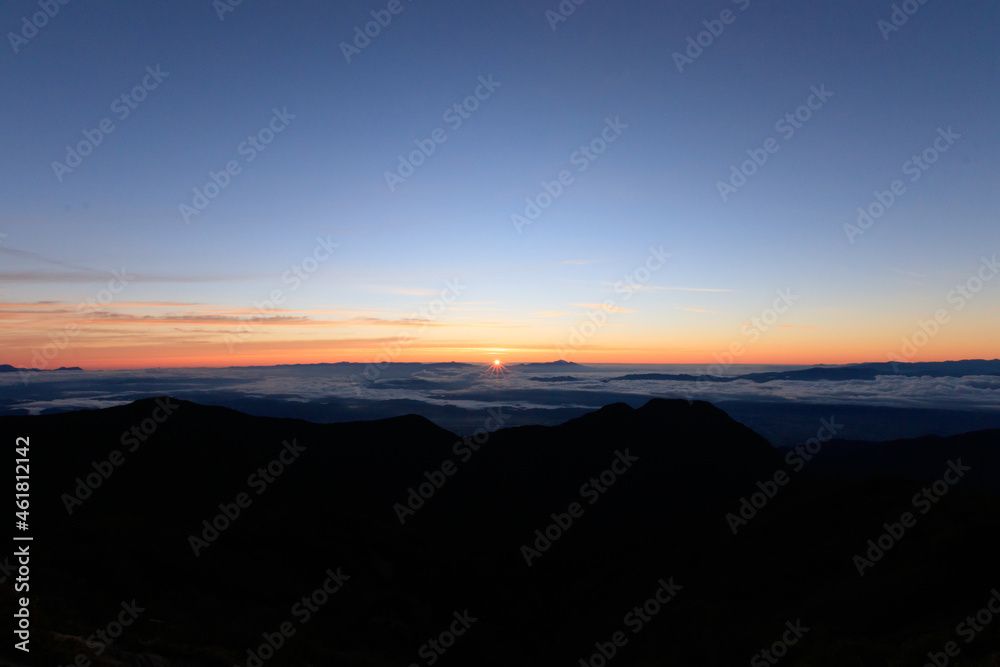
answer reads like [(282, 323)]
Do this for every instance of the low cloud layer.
[(470, 386)]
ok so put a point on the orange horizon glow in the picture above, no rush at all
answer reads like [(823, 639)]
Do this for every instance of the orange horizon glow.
[(105, 361), (53, 335), (789, 347)]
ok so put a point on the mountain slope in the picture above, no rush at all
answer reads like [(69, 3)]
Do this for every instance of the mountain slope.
[(498, 536)]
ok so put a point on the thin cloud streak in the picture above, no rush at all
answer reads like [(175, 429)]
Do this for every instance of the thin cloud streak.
[(102, 277)]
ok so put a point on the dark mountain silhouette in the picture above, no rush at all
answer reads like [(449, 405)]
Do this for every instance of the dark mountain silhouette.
[(662, 479), (865, 371), (551, 365), (919, 458), (7, 368), (788, 423)]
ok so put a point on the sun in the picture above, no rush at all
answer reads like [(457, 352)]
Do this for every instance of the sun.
[(497, 369)]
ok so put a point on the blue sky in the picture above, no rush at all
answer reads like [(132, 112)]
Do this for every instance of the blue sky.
[(323, 176)]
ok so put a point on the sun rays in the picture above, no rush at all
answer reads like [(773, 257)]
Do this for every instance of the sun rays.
[(496, 370)]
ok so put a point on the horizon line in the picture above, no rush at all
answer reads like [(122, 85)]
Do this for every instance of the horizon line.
[(480, 363)]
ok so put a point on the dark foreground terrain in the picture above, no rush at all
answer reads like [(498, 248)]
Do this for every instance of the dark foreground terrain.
[(168, 533)]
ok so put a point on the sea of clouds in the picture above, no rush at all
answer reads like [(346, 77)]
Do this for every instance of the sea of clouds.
[(475, 387)]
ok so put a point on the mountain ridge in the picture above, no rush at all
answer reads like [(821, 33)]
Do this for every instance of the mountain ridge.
[(498, 534)]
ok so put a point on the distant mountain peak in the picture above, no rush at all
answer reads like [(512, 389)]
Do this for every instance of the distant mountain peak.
[(560, 363), (7, 368)]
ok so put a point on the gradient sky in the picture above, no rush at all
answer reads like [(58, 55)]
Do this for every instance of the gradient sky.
[(524, 295)]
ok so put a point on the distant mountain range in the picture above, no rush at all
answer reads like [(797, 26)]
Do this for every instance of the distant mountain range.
[(7, 368), (862, 371), (550, 537), (403, 364), (866, 371), (551, 365)]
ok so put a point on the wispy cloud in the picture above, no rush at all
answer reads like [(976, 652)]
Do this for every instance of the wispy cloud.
[(659, 288), (583, 262), (48, 306), (34, 256), (401, 291), (88, 276), (601, 306), (124, 318), (684, 289), (908, 274), (783, 326), (76, 273)]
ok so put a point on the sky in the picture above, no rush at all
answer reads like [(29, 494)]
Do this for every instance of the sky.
[(209, 184)]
